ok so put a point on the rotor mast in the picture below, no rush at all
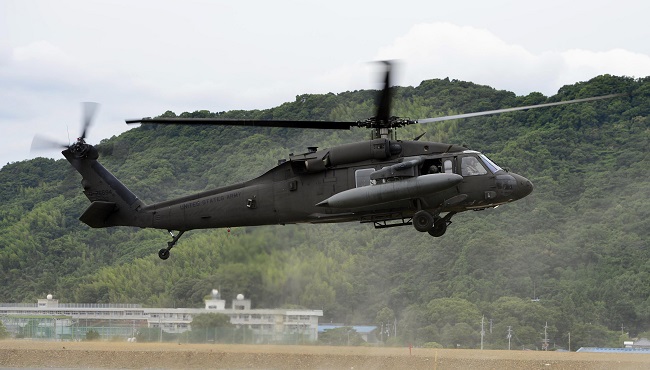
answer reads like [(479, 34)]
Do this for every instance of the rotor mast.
[(385, 133)]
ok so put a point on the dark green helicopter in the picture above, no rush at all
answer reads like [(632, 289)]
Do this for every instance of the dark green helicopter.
[(382, 181)]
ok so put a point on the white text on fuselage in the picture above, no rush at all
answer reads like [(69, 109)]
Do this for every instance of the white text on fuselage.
[(211, 200)]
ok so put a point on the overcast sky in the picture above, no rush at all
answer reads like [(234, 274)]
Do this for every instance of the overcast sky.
[(141, 58)]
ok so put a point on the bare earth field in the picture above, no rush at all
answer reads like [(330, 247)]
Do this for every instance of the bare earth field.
[(123, 355)]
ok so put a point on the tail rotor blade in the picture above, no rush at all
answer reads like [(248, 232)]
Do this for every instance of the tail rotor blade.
[(89, 110), (40, 143)]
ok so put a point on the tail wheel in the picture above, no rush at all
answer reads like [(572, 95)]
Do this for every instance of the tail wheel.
[(163, 253), (423, 221)]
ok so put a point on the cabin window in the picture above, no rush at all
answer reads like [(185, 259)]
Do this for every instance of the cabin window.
[(432, 167), (362, 177), (470, 166), (448, 166)]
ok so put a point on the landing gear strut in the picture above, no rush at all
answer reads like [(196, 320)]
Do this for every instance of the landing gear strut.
[(164, 253)]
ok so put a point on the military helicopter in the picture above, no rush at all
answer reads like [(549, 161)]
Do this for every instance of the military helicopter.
[(383, 181)]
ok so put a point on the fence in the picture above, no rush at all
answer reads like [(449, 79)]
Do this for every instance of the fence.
[(67, 329)]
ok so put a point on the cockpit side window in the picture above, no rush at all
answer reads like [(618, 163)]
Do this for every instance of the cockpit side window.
[(471, 166), (448, 166)]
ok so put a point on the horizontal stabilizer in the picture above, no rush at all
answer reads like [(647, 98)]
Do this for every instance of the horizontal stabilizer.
[(97, 213)]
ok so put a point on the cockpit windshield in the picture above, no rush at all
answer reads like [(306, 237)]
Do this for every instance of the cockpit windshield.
[(491, 165)]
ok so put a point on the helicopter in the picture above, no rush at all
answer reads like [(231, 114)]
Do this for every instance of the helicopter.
[(382, 181)]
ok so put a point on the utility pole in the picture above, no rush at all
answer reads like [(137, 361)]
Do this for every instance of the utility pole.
[(509, 336), (482, 330), (569, 341)]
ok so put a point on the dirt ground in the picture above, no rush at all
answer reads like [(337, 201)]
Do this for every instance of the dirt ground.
[(124, 355)]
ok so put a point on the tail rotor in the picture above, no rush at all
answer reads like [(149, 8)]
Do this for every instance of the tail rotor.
[(79, 147)]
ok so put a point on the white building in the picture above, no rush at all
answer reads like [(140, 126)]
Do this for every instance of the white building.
[(268, 325)]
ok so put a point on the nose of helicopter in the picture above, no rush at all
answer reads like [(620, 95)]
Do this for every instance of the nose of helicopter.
[(523, 186)]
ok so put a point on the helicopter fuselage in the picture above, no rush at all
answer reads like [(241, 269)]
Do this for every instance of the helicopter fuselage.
[(294, 192)]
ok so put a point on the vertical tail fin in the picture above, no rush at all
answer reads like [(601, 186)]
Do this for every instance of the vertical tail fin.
[(112, 203)]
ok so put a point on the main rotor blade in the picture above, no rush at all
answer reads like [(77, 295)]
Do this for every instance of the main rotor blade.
[(485, 113), (247, 122), (383, 110), (89, 110)]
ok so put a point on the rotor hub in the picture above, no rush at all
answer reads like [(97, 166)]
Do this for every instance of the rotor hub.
[(385, 128)]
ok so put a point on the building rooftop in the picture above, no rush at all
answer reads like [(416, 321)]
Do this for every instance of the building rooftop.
[(614, 350), (361, 329)]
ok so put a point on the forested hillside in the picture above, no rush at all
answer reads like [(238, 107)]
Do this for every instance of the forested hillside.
[(574, 254)]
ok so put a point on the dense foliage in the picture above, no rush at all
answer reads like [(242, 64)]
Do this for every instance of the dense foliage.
[(3, 332), (92, 335), (573, 256), (210, 321)]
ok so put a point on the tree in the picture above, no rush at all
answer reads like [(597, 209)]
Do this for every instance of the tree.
[(144, 335), (92, 335), (210, 321), (343, 336), (452, 311), (525, 311), (412, 327), (212, 327), (3, 331), (593, 335), (460, 335), (385, 320)]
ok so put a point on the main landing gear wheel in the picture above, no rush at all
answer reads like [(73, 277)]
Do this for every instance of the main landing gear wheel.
[(440, 225), (439, 228), (423, 221)]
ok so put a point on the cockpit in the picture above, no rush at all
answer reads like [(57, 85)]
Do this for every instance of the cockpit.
[(476, 164), (467, 164), (470, 166), (507, 186)]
